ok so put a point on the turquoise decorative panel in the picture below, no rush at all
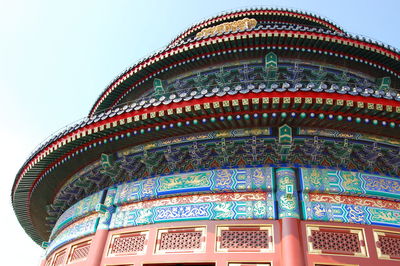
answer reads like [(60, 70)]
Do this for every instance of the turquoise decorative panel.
[(213, 181), (363, 213), (223, 206), (286, 194), (108, 209), (349, 183), (81, 208)]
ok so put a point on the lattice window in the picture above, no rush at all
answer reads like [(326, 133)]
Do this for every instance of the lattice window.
[(133, 243), (127, 244), (80, 251), (333, 240), (387, 244), (121, 265), (249, 264), (59, 258), (390, 246), (48, 261), (319, 264), (179, 240), (244, 239)]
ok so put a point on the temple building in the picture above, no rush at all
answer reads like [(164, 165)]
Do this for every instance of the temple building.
[(258, 137)]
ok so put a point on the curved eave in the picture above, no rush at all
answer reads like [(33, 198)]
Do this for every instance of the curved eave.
[(66, 152), (349, 48)]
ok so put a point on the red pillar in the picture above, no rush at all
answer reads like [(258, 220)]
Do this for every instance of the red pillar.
[(292, 252), (97, 247)]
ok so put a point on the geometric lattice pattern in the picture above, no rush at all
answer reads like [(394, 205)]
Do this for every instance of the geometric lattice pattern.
[(181, 240), (48, 261), (336, 264), (244, 238), (332, 240), (128, 243), (249, 264), (390, 246), (387, 244), (79, 252), (59, 258)]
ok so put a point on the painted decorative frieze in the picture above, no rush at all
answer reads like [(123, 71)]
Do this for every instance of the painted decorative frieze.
[(83, 227), (81, 208), (316, 180), (347, 135), (224, 206), (213, 181), (342, 209), (240, 132)]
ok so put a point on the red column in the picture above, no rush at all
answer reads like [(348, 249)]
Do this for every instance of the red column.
[(292, 252), (97, 247)]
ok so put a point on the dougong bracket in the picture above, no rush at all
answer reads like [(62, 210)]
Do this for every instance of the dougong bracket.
[(109, 167)]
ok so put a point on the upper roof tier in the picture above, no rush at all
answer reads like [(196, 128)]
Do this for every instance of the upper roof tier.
[(304, 35), (263, 17)]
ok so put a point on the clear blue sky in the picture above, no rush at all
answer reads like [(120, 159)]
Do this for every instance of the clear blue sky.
[(57, 56)]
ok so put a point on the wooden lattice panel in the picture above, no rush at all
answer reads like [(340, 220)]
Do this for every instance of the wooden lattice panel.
[(132, 243), (181, 240), (387, 244), (245, 239), (334, 264), (79, 252), (59, 258), (48, 261), (336, 241), (121, 265), (248, 264)]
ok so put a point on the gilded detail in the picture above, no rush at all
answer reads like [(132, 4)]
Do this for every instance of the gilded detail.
[(350, 181), (360, 201), (243, 24), (288, 205), (380, 215), (184, 181)]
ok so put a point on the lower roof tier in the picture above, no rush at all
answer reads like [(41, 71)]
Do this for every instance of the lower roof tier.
[(220, 149), (255, 96)]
